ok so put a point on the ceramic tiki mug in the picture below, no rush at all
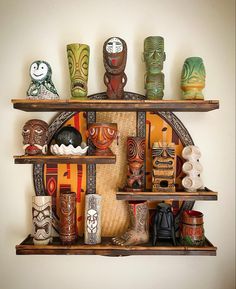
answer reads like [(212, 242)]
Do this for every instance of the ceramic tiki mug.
[(114, 59), (41, 86), (42, 219), (135, 158), (193, 78), (67, 217), (92, 233), (192, 230), (102, 136), (78, 60), (192, 168), (35, 137), (154, 57)]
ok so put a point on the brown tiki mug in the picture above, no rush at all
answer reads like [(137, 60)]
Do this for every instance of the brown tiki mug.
[(135, 158), (114, 58), (102, 136), (67, 217)]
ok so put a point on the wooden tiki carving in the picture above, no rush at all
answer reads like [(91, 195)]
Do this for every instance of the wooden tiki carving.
[(164, 162)]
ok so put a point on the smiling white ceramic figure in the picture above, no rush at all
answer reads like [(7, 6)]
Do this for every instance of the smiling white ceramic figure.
[(41, 86)]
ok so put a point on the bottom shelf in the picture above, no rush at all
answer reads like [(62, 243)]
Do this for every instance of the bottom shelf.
[(106, 248)]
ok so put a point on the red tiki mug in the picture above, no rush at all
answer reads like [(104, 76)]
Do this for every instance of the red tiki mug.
[(192, 231), (102, 136), (135, 158)]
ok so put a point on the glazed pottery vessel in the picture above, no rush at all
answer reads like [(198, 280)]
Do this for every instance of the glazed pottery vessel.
[(35, 137), (114, 59), (42, 219), (193, 78), (67, 217), (92, 232), (102, 136), (78, 60), (192, 230)]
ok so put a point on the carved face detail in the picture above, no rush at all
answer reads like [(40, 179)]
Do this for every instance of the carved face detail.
[(92, 221), (35, 136), (40, 71), (154, 54), (193, 72), (135, 149), (78, 59), (163, 157), (42, 222), (102, 134), (114, 55)]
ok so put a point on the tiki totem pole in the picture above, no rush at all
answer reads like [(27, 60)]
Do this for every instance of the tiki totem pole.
[(163, 161), (114, 58), (154, 56), (193, 78), (78, 60), (35, 137)]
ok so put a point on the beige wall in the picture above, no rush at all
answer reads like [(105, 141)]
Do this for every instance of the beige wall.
[(31, 30)]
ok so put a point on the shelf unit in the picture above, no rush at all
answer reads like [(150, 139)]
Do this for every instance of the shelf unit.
[(106, 248)]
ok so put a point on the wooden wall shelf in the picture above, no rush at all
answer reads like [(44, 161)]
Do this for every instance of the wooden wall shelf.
[(107, 249), (115, 105), (205, 195), (71, 159)]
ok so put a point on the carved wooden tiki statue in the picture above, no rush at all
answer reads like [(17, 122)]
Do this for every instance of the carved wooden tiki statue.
[(114, 58), (135, 157), (163, 172)]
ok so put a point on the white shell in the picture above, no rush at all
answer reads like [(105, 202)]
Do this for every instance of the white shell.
[(69, 150)]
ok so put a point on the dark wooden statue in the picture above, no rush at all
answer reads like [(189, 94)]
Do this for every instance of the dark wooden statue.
[(114, 58)]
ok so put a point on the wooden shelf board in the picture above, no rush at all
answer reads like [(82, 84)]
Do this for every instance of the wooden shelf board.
[(115, 105), (205, 195), (107, 249), (71, 159)]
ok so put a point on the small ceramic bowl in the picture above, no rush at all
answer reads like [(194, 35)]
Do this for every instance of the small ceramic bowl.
[(69, 150)]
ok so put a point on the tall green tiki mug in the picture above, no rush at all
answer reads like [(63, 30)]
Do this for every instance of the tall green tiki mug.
[(78, 59), (193, 78), (154, 57)]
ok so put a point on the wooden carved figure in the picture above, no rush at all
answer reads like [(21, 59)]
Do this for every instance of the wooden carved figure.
[(42, 219), (135, 158), (41, 86), (192, 168), (35, 137), (114, 58), (78, 60), (102, 136), (193, 78), (67, 217), (163, 161), (154, 57), (92, 234)]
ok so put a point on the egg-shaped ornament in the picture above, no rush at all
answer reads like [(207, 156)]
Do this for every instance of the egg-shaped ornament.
[(41, 86)]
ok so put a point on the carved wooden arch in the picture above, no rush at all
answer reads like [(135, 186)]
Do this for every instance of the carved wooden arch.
[(61, 118)]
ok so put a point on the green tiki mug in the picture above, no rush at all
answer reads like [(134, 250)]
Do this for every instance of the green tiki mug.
[(193, 78), (78, 60), (154, 57)]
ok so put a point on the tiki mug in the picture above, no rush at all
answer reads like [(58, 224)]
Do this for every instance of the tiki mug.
[(163, 167), (193, 78), (114, 59), (92, 234), (35, 137), (135, 158), (102, 136), (154, 57), (78, 60), (42, 219), (192, 230), (41, 86), (192, 168), (67, 217)]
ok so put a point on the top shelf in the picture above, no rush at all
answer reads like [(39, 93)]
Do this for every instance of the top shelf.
[(115, 105)]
